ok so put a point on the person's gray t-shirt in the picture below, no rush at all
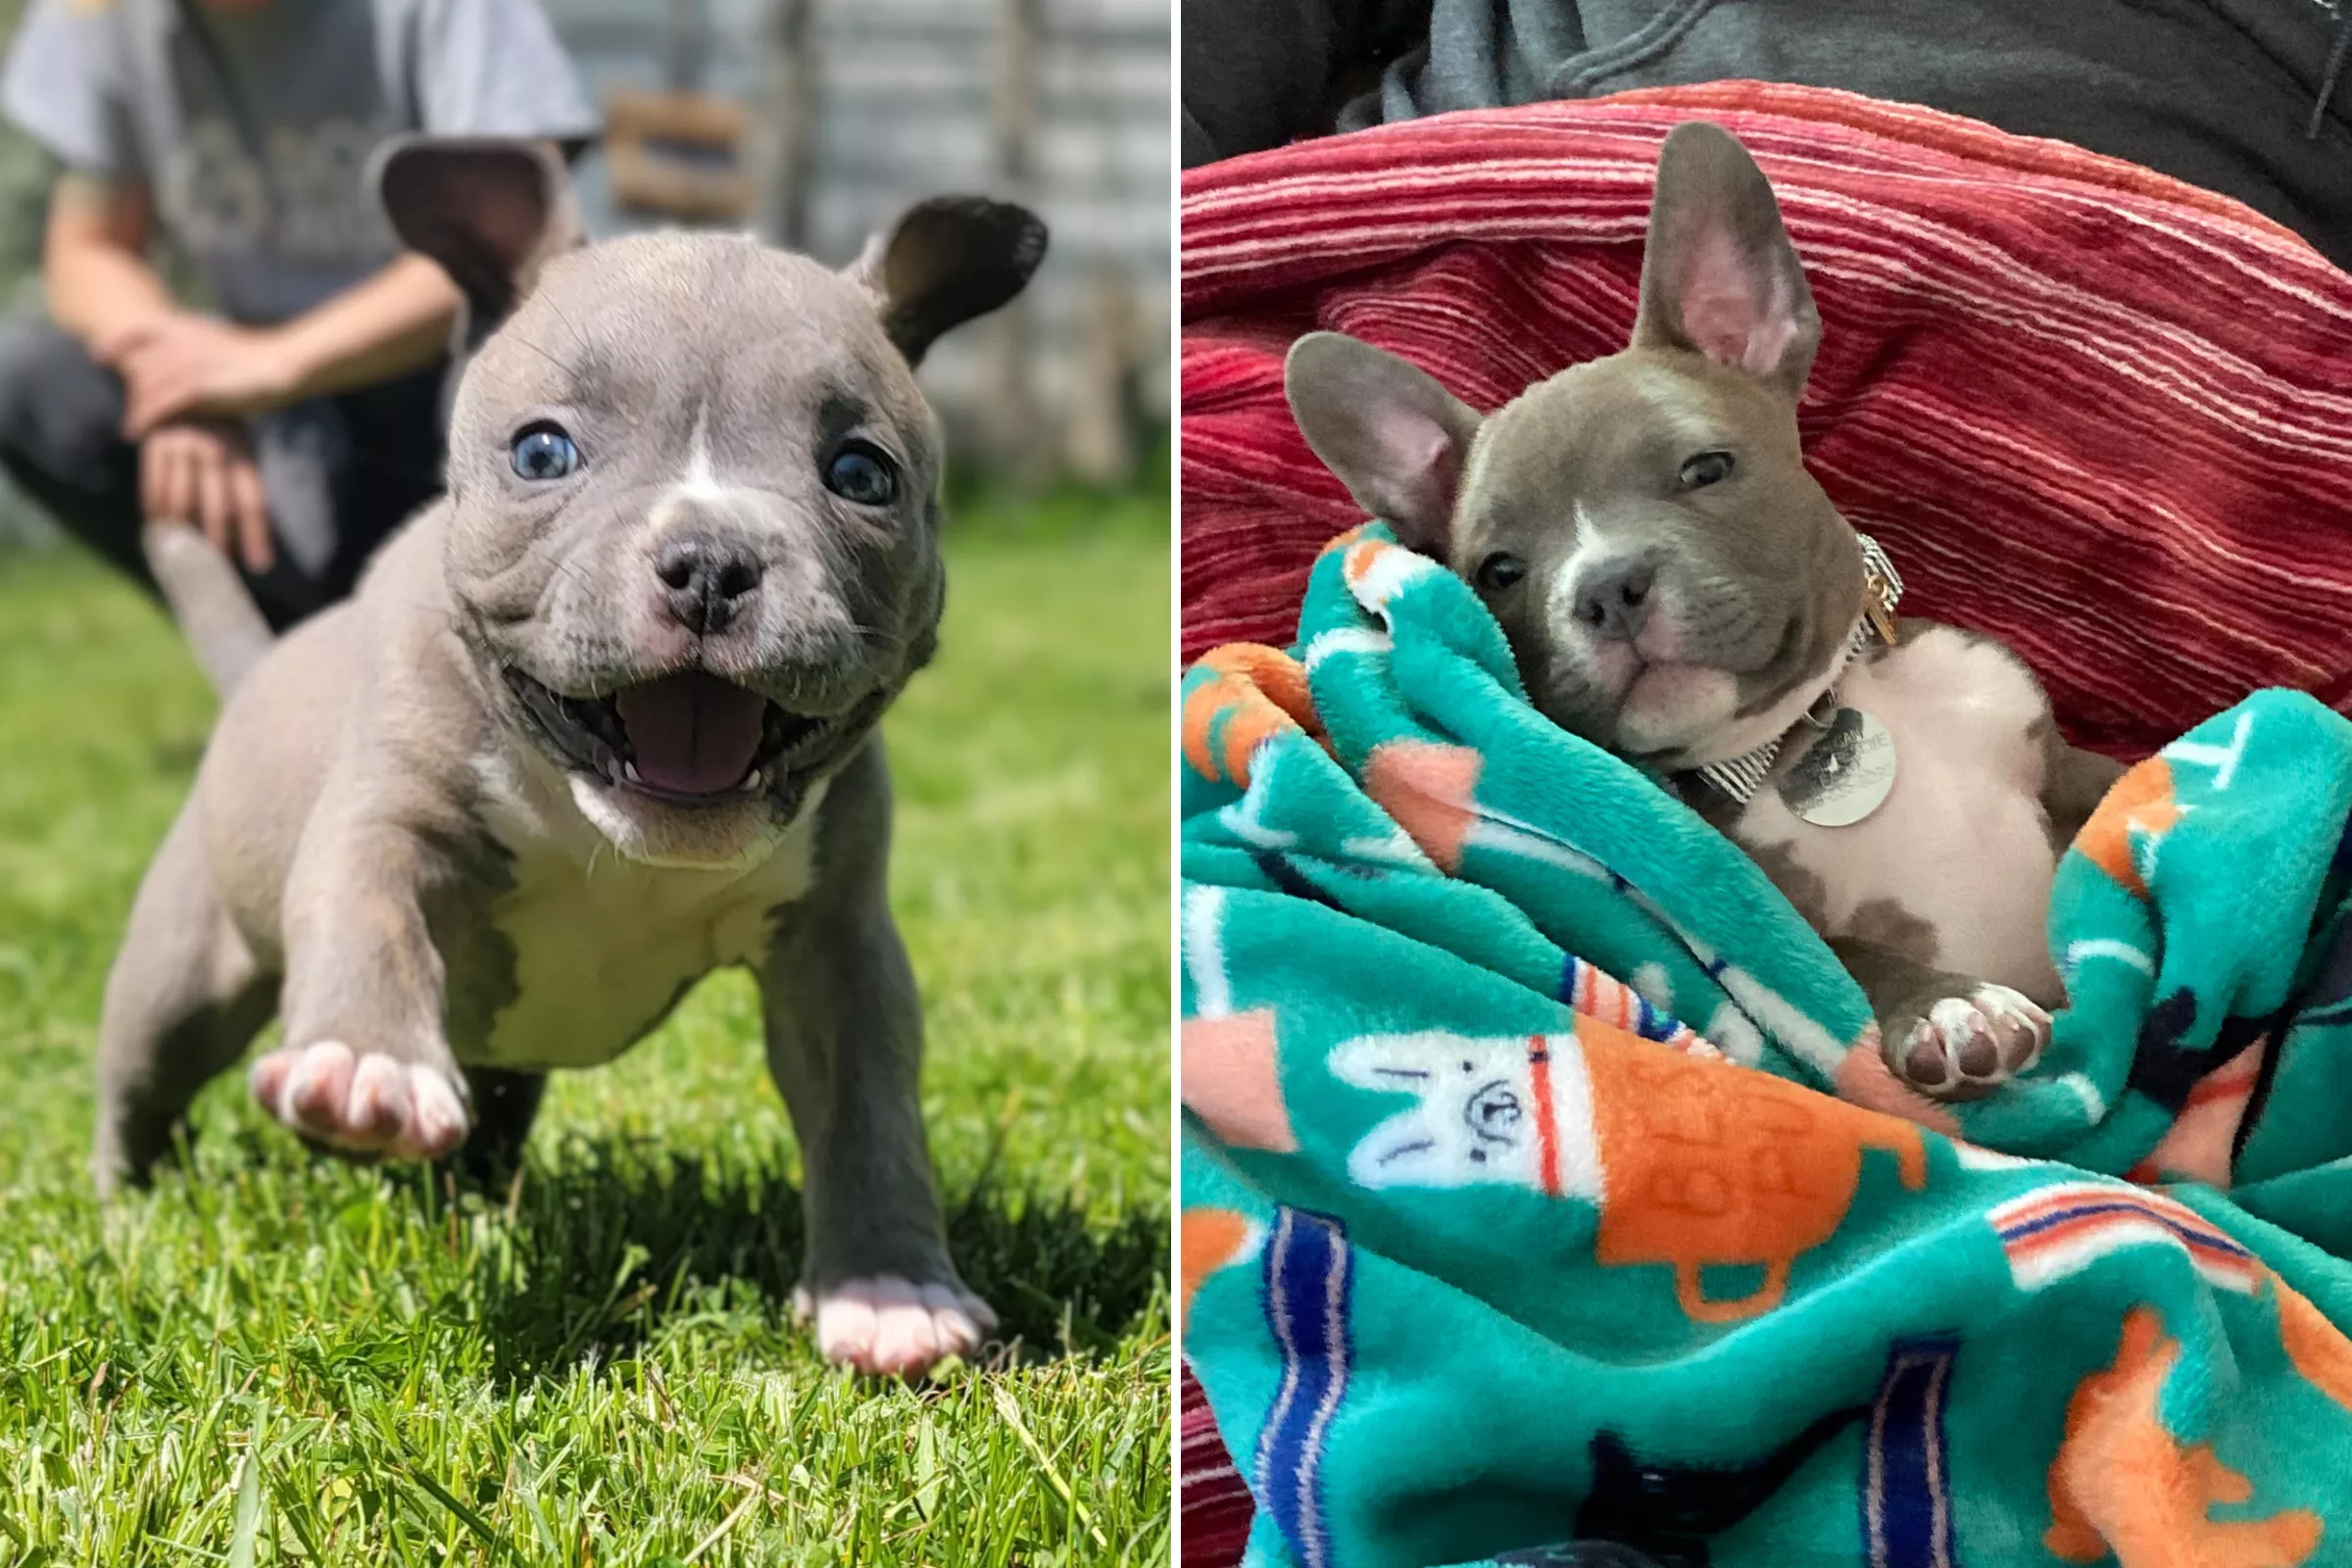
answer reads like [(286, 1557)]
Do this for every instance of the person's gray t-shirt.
[(261, 179)]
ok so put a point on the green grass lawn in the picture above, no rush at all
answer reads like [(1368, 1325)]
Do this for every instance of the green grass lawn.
[(272, 1359)]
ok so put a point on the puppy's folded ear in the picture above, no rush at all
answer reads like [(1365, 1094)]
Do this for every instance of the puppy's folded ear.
[(946, 260), (1395, 438), (492, 212), (1719, 276)]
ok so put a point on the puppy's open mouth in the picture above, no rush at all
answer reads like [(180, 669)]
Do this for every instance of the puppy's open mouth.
[(691, 739)]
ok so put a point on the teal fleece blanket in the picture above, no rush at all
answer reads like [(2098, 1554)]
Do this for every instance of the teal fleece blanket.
[(1542, 1181)]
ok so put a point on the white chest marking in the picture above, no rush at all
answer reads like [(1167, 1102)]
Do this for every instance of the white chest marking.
[(603, 946), (1961, 841)]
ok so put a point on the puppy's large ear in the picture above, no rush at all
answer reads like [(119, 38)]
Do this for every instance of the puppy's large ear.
[(1395, 438), (946, 260), (492, 212), (1719, 276)]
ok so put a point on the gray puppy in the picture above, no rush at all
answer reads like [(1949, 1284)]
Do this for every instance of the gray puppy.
[(595, 724), (1677, 588)]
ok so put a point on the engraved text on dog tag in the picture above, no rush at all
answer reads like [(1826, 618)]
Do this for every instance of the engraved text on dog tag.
[(1845, 775)]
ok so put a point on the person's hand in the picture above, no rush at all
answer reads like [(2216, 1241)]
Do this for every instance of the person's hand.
[(202, 472), (177, 366)]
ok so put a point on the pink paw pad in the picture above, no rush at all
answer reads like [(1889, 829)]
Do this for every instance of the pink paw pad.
[(1967, 1046), (886, 1326), (365, 1102)]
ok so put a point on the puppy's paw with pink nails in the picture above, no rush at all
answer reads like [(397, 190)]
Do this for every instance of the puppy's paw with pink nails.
[(1967, 1046), (363, 1103), (886, 1326)]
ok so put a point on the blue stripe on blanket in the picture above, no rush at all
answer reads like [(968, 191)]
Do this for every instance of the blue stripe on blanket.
[(1308, 1279), (1906, 1475)]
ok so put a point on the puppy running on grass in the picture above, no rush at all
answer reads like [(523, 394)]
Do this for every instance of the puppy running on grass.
[(601, 721)]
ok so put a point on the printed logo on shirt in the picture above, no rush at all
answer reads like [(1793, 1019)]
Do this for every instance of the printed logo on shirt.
[(312, 205)]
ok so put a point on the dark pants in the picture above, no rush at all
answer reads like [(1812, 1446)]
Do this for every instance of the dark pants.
[(341, 472)]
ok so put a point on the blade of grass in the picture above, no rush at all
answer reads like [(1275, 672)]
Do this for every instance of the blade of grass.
[(473, 1522), (1011, 1413), (734, 1517), (249, 1502)]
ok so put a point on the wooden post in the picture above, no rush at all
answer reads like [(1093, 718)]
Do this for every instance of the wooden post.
[(1022, 434), (689, 44), (787, 156), (1102, 422)]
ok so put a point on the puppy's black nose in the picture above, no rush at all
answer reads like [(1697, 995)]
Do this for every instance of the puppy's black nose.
[(706, 580), (1612, 600)]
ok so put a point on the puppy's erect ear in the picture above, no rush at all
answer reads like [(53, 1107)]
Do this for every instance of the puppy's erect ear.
[(946, 260), (492, 212), (1395, 438), (1720, 277)]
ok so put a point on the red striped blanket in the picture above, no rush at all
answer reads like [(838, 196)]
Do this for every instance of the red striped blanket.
[(2099, 414)]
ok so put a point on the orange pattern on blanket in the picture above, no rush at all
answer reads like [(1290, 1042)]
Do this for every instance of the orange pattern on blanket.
[(2123, 1485), (1705, 1164), (1262, 693), (1229, 1079), (2200, 1145), (1207, 1239), (1427, 789), (1361, 557), (2318, 1348), (1341, 541), (2140, 801), (1865, 1080)]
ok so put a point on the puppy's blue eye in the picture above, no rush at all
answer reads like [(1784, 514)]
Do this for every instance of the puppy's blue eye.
[(862, 474), (544, 452)]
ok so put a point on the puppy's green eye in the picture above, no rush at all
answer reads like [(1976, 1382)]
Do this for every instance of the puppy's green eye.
[(1708, 468), (1500, 571)]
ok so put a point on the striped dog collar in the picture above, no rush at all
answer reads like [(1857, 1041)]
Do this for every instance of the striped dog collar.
[(1742, 777)]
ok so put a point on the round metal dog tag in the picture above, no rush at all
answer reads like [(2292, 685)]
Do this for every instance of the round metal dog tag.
[(1847, 775)]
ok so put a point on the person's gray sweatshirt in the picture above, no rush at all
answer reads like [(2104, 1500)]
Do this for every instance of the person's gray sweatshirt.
[(2238, 96)]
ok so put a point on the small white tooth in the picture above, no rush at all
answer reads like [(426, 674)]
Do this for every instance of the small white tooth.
[(628, 770), (757, 782)]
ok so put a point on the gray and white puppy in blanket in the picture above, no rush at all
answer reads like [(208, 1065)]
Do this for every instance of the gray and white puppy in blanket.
[(1677, 588), (598, 722)]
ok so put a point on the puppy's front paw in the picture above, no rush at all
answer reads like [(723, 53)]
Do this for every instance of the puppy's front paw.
[(886, 1326), (1967, 1046), (361, 1103)]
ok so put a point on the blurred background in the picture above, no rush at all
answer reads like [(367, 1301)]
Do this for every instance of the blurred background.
[(812, 122)]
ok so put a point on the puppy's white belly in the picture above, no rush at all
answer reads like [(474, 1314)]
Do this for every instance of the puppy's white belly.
[(602, 947), (1961, 841)]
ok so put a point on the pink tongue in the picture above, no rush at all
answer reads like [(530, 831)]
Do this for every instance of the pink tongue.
[(693, 734)]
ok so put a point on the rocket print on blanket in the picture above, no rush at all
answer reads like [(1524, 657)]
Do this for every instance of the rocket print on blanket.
[(1692, 1163)]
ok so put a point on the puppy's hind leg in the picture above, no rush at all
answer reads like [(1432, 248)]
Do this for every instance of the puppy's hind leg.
[(845, 1043), (183, 1001)]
